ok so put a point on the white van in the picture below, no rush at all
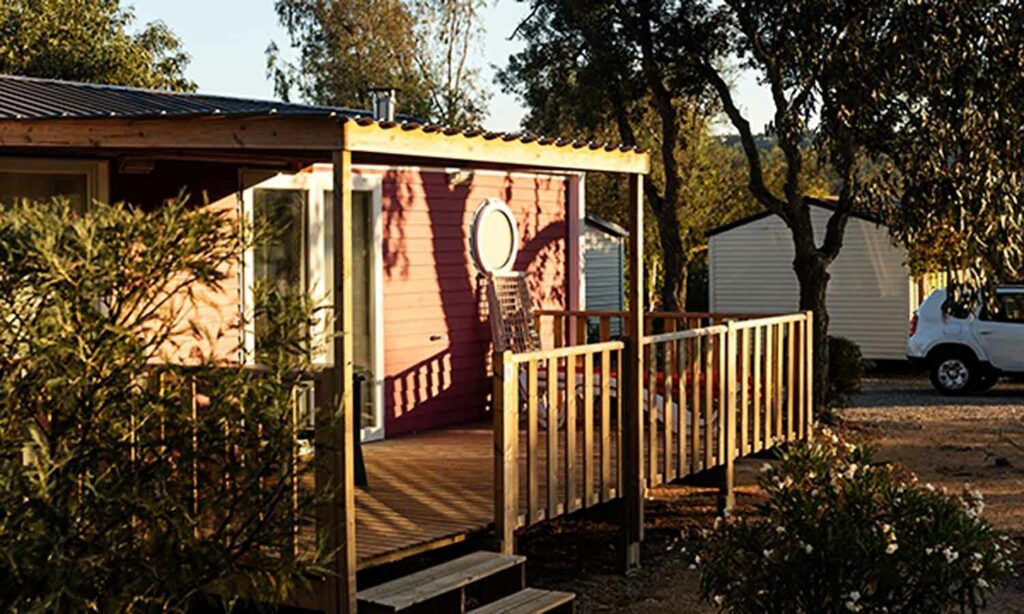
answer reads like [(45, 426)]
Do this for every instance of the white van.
[(969, 354)]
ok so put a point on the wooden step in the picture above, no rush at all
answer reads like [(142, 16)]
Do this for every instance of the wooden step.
[(530, 601), (442, 588)]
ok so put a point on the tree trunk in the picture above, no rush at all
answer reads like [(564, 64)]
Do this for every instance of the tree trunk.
[(672, 293), (812, 273)]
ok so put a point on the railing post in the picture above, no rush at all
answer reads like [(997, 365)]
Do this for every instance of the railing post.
[(633, 372), (506, 450), (809, 378), (726, 496)]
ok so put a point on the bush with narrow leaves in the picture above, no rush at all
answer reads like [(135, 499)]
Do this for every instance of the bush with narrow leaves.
[(126, 483), (840, 532)]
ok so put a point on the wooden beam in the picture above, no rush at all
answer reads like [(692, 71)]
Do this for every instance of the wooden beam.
[(506, 450), (205, 133), (415, 142), (633, 374), (339, 534)]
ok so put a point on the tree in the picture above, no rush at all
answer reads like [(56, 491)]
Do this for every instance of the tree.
[(420, 47), (912, 106), (950, 156), (128, 480), (89, 41), (603, 68), (612, 70)]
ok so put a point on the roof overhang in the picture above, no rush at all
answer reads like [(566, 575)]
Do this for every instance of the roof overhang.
[(318, 137)]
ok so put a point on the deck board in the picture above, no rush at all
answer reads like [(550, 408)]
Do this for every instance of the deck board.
[(424, 489), (436, 488)]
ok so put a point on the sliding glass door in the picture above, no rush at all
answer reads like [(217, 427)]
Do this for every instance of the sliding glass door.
[(300, 256)]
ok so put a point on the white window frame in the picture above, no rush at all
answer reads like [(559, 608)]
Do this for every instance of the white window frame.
[(97, 172), (316, 181)]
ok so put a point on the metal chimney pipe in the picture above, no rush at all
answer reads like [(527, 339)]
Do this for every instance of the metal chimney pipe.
[(382, 103)]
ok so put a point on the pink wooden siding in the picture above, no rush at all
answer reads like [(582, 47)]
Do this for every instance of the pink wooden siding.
[(436, 334)]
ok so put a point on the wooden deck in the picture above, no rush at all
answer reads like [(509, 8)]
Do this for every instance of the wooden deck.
[(425, 491), (436, 488)]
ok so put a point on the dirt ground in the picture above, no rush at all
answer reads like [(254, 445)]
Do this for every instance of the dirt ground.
[(947, 442)]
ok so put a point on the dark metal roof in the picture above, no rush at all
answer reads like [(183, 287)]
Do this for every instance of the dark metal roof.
[(32, 98), (606, 226)]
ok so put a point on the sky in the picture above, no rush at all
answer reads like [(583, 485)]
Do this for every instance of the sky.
[(227, 40)]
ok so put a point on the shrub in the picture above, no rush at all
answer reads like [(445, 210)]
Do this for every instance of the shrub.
[(845, 370), (99, 462), (842, 533)]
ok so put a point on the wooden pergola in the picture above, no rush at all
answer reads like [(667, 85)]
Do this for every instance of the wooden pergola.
[(345, 141)]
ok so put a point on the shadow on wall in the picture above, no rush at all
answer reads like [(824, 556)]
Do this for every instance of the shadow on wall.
[(437, 337)]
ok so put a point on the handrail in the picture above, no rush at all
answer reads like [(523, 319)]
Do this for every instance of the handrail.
[(689, 333), (569, 351)]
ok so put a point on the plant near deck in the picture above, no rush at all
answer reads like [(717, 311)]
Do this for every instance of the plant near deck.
[(129, 484), (840, 532), (845, 371)]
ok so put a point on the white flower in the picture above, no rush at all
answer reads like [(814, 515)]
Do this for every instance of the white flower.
[(852, 606), (929, 487), (950, 554), (808, 548), (719, 599), (851, 471), (982, 583), (892, 547), (780, 529), (765, 468), (854, 595), (767, 553), (696, 559)]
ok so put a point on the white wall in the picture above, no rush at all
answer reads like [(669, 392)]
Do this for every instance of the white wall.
[(604, 271), (751, 270)]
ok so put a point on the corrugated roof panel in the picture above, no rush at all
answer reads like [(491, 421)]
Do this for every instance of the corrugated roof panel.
[(31, 98)]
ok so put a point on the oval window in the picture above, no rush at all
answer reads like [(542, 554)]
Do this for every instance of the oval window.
[(494, 240)]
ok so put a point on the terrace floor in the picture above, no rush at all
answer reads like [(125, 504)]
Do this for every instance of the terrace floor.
[(436, 488), (425, 491)]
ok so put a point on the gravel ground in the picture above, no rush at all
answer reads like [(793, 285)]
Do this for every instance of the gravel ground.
[(947, 442)]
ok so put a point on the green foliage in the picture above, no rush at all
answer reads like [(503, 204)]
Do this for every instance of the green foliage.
[(845, 370), (128, 480), (842, 533), (947, 135), (89, 41), (420, 47)]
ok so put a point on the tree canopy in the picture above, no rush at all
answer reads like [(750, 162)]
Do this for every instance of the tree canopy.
[(613, 71), (91, 41), (420, 47)]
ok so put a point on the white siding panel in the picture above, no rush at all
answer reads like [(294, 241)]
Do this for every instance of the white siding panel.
[(604, 272), (751, 270)]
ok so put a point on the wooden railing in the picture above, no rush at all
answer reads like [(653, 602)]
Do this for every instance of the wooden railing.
[(589, 326), (558, 425), (710, 394), (196, 435), (723, 392)]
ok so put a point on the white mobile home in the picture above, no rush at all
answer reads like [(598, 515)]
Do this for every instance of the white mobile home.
[(604, 266), (871, 295)]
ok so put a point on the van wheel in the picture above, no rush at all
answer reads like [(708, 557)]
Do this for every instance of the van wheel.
[(955, 373)]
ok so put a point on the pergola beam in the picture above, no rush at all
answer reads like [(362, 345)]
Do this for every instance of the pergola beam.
[(404, 142)]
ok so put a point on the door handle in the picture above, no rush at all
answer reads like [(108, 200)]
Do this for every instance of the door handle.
[(984, 332)]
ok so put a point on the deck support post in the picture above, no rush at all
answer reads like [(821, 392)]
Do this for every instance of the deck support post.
[(726, 494), (506, 450), (335, 431), (632, 375), (809, 396)]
